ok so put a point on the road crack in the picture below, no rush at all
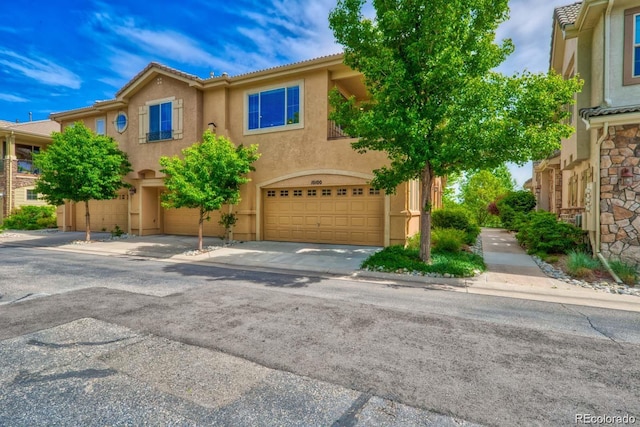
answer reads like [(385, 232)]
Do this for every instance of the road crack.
[(592, 325)]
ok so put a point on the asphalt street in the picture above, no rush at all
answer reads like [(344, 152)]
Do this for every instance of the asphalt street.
[(135, 339)]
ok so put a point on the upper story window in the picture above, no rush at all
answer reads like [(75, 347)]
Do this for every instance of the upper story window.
[(631, 73), (121, 122), (160, 120), (24, 156), (100, 126), (274, 108)]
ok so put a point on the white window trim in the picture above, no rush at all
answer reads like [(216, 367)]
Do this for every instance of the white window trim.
[(285, 127)]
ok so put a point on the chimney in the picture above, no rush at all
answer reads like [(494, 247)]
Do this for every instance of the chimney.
[(30, 116)]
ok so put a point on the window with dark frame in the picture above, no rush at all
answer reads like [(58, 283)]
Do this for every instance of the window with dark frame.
[(160, 122), (274, 108), (631, 56)]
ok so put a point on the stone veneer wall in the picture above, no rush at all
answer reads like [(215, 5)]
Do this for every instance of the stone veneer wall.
[(620, 203), (3, 188), (18, 181)]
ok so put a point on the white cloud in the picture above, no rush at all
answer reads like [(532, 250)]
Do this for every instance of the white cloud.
[(12, 98), (529, 26), (40, 69)]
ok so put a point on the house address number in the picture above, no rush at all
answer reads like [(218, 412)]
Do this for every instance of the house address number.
[(316, 182)]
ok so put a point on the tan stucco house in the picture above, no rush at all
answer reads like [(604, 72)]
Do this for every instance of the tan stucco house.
[(309, 185), (594, 180), (17, 175)]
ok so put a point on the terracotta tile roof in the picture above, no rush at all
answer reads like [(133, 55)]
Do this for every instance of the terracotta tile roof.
[(162, 67), (587, 113), (566, 15), (293, 64), (40, 127)]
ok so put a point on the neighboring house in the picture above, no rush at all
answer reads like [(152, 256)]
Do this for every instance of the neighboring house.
[(309, 184), (17, 175), (595, 180)]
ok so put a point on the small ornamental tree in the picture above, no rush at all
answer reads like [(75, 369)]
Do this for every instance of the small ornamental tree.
[(208, 176), (480, 188), (80, 166), (436, 106)]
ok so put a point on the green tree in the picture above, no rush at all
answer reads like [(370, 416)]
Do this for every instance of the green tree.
[(480, 188), (436, 107), (208, 176), (80, 166)]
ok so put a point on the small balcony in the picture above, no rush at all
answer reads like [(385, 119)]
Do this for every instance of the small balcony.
[(334, 131), (161, 135), (26, 167)]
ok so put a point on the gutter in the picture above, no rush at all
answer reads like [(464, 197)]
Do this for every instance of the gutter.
[(605, 263), (607, 50)]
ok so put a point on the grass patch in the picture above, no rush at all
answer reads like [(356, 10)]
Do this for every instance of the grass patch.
[(394, 258), (626, 272), (582, 265)]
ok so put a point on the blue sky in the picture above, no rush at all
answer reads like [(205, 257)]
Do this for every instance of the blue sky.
[(65, 54)]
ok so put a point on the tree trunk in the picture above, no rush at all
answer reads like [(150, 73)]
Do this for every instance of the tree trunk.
[(200, 228), (425, 218), (87, 220)]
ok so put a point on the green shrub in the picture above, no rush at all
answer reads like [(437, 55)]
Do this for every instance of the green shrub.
[(395, 258), (544, 233), (626, 272), (31, 218), (581, 265), (413, 242), (513, 207), (456, 218), (117, 231), (447, 239)]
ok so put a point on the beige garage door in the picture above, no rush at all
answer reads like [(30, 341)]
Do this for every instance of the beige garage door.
[(352, 215), (105, 214), (185, 222)]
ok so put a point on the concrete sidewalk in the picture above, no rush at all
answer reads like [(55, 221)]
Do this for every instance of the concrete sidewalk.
[(511, 272)]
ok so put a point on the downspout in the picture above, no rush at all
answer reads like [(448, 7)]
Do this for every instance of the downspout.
[(603, 260), (9, 174), (607, 49), (605, 132)]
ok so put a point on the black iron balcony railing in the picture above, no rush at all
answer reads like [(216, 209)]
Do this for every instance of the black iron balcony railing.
[(26, 167), (159, 135), (334, 131)]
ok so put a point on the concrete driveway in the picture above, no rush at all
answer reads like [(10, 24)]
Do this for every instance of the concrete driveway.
[(311, 257)]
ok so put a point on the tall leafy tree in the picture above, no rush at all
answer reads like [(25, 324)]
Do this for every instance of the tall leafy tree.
[(436, 106), (208, 175), (80, 166), (479, 188)]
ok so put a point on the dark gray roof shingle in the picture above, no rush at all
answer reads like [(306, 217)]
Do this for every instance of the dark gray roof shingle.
[(587, 113)]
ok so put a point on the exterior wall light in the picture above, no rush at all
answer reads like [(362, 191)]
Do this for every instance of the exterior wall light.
[(132, 191), (626, 175)]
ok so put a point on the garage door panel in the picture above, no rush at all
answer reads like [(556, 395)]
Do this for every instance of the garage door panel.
[(326, 221), (374, 222), (342, 221), (358, 206), (104, 214), (358, 221), (344, 215)]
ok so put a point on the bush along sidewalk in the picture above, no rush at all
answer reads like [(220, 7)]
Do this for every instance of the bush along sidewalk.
[(452, 255)]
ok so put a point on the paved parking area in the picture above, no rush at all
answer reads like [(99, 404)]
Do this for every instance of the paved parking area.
[(94, 373)]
